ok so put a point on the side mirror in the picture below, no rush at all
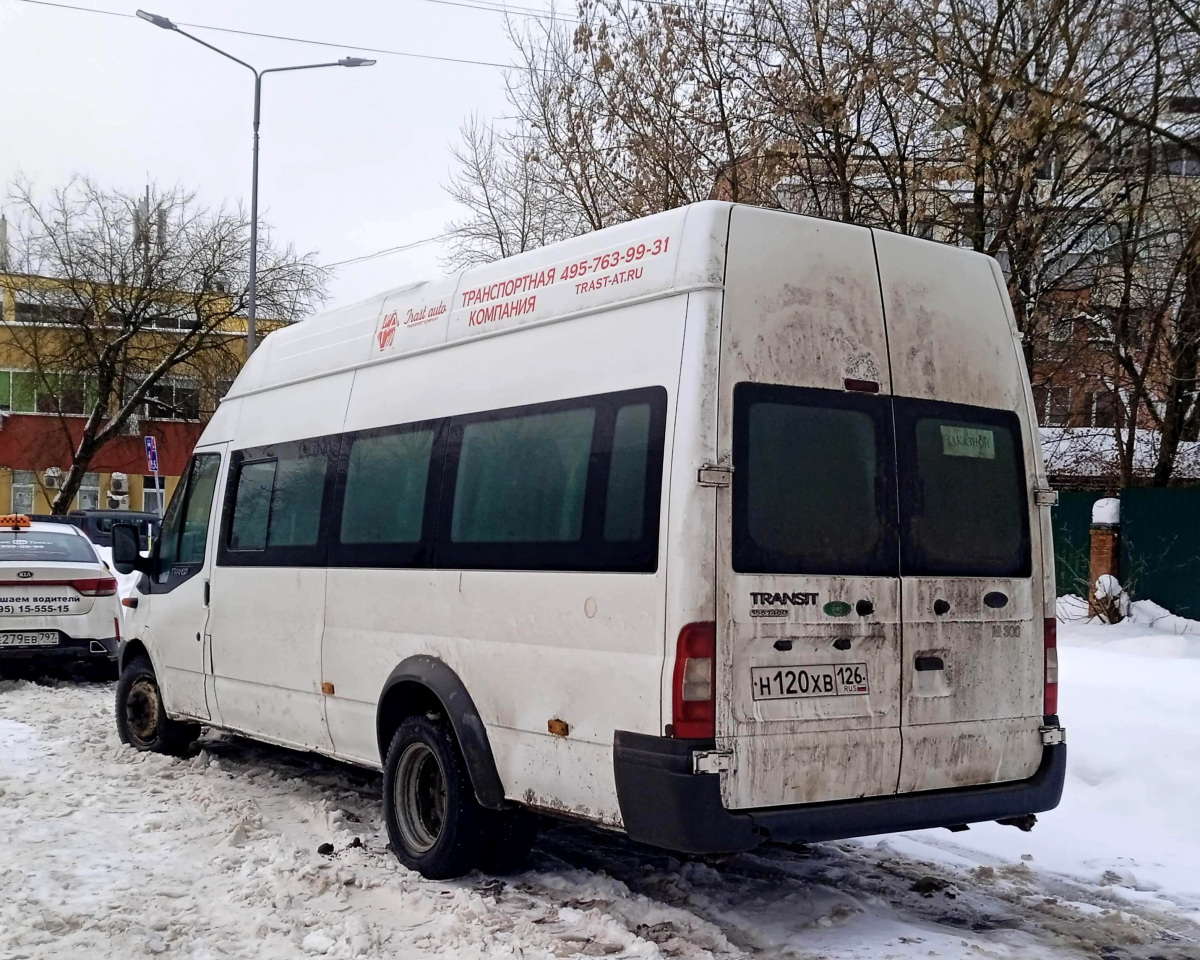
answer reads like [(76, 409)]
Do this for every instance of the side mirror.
[(125, 549)]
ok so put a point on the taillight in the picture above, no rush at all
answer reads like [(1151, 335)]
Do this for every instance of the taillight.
[(693, 689), (1050, 698), (98, 587)]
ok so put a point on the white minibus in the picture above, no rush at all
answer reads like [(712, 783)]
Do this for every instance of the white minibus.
[(720, 527)]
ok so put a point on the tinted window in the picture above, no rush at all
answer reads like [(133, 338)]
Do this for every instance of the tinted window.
[(523, 479), (28, 546), (201, 484), (625, 500), (963, 506), (185, 525), (386, 477), (296, 501), (811, 482), (252, 506), (567, 485)]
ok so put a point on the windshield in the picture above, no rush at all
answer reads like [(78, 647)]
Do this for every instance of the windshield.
[(963, 508), (811, 481), (28, 546)]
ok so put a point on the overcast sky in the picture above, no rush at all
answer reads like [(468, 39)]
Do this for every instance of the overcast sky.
[(352, 161)]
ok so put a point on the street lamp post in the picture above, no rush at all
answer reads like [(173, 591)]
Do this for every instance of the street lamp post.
[(252, 293)]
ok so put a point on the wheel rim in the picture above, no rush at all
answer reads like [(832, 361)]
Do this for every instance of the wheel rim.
[(141, 710), (420, 797)]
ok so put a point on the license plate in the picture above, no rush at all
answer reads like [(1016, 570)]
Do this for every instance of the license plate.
[(819, 680), (33, 638)]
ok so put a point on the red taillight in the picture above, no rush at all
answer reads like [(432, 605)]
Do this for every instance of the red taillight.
[(98, 587), (1050, 698), (692, 690)]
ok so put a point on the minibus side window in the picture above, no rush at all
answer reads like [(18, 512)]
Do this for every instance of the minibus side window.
[(252, 506), (296, 498), (564, 485), (625, 501), (523, 479), (386, 477)]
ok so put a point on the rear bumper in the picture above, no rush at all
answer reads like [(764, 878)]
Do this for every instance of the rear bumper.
[(663, 803), (68, 648)]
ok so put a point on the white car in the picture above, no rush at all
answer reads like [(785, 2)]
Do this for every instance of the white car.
[(57, 598)]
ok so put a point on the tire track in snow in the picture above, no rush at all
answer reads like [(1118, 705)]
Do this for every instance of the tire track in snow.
[(117, 854)]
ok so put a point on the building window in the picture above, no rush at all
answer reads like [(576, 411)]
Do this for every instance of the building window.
[(24, 483), (169, 399), (154, 494), (1062, 329), (23, 391), (1104, 412), (1053, 406), (89, 492)]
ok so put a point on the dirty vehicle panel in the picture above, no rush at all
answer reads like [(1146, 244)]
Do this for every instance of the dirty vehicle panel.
[(808, 600)]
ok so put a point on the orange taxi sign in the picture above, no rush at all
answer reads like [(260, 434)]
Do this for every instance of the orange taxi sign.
[(14, 520)]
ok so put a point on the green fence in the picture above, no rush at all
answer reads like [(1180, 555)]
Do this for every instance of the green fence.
[(1072, 521), (1160, 547)]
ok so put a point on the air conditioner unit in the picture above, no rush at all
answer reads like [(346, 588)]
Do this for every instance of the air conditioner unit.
[(118, 486), (117, 503), (53, 478), (132, 427)]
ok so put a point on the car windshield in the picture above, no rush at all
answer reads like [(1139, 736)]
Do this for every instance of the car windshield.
[(33, 546)]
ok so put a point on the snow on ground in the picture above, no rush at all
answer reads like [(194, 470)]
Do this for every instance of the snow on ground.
[(108, 853)]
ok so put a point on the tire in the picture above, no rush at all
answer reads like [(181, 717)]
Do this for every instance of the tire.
[(510, 836), (142, 722), (433, 820)]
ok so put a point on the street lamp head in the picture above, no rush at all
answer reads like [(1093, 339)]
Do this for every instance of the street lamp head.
[(155, 19), (355, 62)]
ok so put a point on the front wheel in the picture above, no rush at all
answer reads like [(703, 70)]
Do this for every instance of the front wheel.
[(142, 721), (433, 819)]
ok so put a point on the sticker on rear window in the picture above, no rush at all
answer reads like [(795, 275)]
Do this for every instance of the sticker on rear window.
[(968, 442)]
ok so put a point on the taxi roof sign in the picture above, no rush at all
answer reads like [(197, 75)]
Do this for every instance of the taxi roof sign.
[(14, 520)]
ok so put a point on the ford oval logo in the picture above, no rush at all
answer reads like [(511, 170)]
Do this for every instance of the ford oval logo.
[(24, 574)]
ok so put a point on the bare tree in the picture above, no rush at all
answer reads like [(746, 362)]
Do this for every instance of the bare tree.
[(511, 204), (119, 292)]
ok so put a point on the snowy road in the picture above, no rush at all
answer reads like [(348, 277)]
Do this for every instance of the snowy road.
[(110, 853)]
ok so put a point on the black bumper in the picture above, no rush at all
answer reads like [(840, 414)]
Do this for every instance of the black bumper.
[(68, 648), (663, 803)]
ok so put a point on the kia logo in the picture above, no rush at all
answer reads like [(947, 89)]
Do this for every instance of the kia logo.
[(24, 574)]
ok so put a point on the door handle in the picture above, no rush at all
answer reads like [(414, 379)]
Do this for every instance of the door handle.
[(930, 663), (207, 593)]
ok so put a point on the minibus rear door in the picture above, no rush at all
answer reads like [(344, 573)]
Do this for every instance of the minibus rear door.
[(808, 602), (973, 644)]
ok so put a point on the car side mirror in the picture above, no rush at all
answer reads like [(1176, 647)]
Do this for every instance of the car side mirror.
[(126, 554)]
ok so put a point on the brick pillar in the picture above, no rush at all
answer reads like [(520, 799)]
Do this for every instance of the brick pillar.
[(1105, 557)]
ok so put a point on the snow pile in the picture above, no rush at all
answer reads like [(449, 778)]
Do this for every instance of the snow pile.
[(1092, 451), (1107, 510), (1138, 613)]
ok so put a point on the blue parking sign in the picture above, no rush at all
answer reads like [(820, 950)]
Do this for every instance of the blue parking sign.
[(151, 455)]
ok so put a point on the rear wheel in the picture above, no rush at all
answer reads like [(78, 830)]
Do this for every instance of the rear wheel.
[(433, 820), (142, 721)]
